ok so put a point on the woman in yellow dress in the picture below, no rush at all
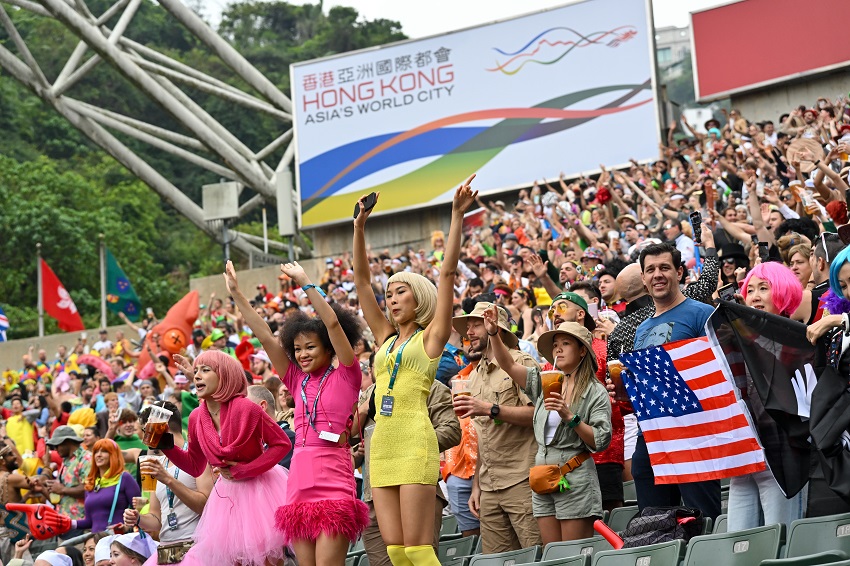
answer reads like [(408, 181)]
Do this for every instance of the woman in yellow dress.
[(404, 462)]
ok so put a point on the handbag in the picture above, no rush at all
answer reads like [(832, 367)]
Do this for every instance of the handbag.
[(173, 552), (548, 478), (663, 524)]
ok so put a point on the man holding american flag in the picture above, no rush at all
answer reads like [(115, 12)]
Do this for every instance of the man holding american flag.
[(676, 318)]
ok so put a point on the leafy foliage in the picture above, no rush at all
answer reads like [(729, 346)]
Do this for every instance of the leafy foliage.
[(59, 189)]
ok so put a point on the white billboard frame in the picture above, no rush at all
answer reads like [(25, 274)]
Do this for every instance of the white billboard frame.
[(654, 90)]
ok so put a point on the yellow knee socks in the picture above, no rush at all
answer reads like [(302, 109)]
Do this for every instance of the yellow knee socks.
[(398, 556), (422, 555)]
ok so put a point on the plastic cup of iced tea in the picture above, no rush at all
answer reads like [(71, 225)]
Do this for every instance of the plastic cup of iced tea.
[(552, 381), (615, 370)]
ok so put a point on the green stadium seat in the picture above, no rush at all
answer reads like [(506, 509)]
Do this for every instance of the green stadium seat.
[(706, 526), (808, 536), (478, 546), (661, 554), (522, 556), (629, 492), (455, 548), (828, 557), (364, 560), (620, 517), (449, 526), (356, 546), (720, 524), (352, 560), (586, 546), (456, 561), (741, 548), (579, 560)]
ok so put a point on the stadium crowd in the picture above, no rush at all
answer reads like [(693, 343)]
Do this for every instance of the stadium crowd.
[(258, 467)]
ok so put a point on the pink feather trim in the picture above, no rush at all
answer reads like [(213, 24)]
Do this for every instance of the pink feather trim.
[(334, 517)]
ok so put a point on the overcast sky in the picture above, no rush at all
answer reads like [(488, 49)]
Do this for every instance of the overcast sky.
[(421, 18)]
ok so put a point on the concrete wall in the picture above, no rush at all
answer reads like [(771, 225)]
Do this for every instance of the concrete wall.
[(11, 352), (771, 103), (395, 231)]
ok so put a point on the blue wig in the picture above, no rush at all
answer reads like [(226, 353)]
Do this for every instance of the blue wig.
[(834, 267)]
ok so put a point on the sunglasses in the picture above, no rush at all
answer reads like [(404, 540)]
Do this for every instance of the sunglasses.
[(560, 308), (729, 260)]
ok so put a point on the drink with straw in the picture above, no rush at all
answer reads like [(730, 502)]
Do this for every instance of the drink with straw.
[(615, 370), (552, 381), (156, 426), (460, 387)]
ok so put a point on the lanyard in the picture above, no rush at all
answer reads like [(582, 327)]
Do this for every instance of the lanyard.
[(168, 492), (311, 416), (398, 358)]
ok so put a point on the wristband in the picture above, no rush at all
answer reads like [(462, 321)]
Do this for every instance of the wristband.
[(574, 422), (488, 334), (311, 286)]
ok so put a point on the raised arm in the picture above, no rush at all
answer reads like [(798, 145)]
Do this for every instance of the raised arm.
[(340, 343), (438, 331), (378, 323), (517, 371), (257, 325)]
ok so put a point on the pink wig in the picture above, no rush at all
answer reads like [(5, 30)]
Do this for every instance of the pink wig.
[(785, 289), (231, 376)]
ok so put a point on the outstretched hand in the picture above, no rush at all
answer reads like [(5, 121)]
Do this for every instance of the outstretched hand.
[(230, 278), (464, 196), (538, 266), (491, 320), (295, 272)]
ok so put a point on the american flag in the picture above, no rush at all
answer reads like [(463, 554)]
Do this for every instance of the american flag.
[(4, 325), (691, 421)]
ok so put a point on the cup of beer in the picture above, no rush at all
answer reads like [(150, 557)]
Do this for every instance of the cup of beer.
[(615, 370), (460, 387), (156, 426), (553, 381), (148, 480)]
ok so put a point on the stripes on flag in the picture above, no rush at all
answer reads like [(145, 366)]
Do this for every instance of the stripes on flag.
[(693, 426), (4, 326)]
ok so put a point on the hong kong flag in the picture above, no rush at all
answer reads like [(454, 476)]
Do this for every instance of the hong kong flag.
[(57, 302)]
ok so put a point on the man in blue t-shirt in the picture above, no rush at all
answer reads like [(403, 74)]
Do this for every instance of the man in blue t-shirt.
[(676, 318)]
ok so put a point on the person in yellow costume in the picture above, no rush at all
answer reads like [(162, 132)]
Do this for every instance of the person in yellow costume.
[(19, 428), (404, 458)]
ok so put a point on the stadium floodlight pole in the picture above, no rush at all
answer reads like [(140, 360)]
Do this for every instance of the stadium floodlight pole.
[(40, 284)]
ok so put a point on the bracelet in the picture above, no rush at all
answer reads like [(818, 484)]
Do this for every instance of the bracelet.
[(817, 162), (488, 334), (317, 288)]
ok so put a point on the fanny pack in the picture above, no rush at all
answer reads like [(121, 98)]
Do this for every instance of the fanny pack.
[(173, 552), (549, 478)]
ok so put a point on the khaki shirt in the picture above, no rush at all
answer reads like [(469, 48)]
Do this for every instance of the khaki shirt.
[(505, 451), (446, 425)]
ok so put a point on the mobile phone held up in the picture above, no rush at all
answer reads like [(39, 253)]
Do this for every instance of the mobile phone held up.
[(696, 224), (727, 292), (764, 250), (369, 202)]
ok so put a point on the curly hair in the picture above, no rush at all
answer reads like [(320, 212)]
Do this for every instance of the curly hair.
[(299, 323)]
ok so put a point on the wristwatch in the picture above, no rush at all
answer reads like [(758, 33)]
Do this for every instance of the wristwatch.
[(494, 411), (574, 422)]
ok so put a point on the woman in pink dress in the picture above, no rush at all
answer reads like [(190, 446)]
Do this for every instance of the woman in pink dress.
[(243, 445), (322, 514)]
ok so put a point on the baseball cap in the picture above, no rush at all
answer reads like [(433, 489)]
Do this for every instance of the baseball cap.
[(578, 301), (262, 356), (216, 334), (181, 378)]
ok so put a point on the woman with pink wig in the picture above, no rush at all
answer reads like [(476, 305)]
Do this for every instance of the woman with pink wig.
[(243, 445), (756, 499)]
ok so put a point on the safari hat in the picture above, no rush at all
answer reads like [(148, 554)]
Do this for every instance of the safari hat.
[(460, 322), (574, 329)]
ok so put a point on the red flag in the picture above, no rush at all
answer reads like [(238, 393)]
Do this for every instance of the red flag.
[(57, 302)]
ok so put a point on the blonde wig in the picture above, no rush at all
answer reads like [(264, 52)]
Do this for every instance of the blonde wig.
[(424, 292)]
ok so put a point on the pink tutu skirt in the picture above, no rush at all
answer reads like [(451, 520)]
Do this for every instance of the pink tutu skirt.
[(238, 523)]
